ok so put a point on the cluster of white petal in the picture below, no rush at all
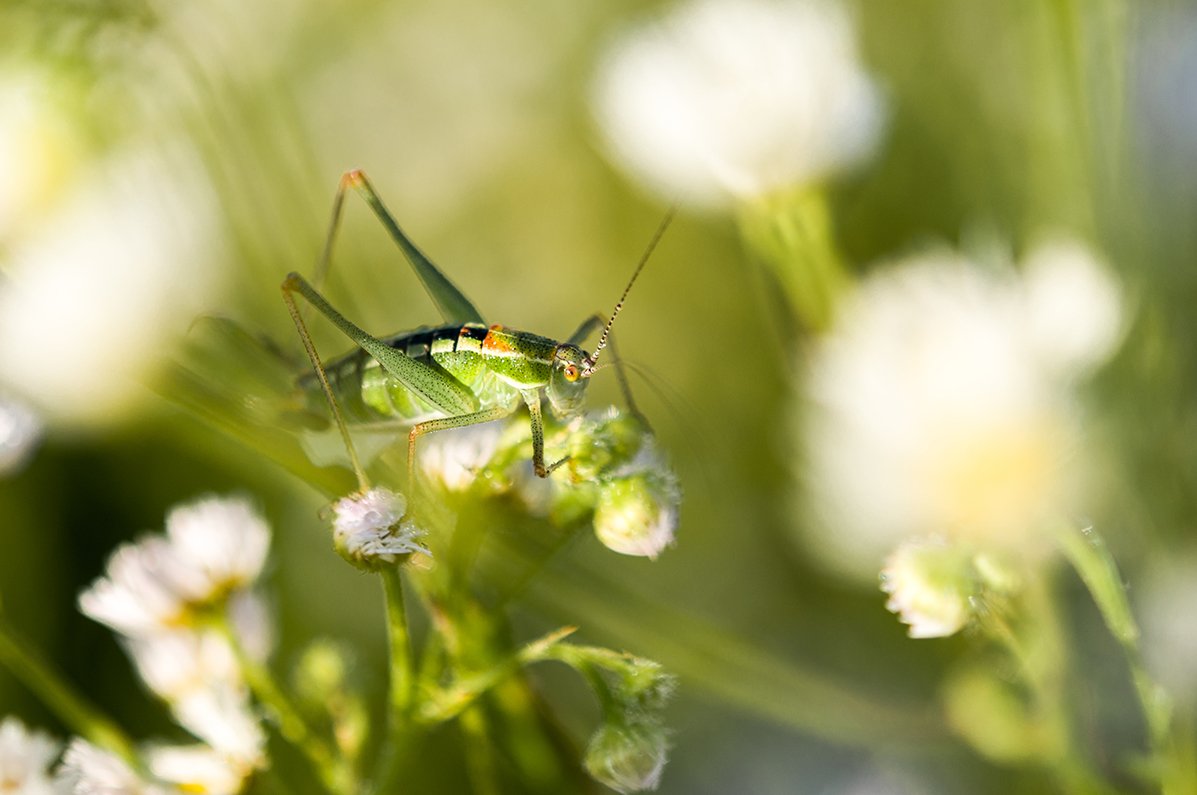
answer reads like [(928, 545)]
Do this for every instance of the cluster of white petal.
[(944, 403), (25, 760), (370, 529), (159, 593), (212, 547)]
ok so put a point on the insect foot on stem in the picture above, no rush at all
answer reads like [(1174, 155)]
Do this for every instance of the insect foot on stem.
[(370, 530)]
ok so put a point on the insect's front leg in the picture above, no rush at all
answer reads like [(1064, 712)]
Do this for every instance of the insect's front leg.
[(532, 398)]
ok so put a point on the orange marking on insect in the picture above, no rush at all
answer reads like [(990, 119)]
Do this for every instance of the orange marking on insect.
[(497, 341)]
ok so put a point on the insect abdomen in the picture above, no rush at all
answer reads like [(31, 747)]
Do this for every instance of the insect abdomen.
[(368, 393)]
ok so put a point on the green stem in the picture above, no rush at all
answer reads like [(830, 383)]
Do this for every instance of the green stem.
[(1088, 554), (1042, 658), (334, 775), (72, 708), (792, 234), (479, 751), (402, 670), (400, 726)]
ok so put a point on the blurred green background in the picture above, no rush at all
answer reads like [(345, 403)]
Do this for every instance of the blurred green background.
[(472, 120)]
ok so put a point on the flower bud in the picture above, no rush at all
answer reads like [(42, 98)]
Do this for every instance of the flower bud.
[(628, 757), (637, 515), (930, 585)]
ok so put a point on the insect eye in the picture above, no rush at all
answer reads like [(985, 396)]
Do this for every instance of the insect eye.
[(571, 372)]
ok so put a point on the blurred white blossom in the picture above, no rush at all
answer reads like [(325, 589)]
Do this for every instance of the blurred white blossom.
[(943, 403), (454, 457), (87, 770), (224, 542), (212, 546), (369, 529), (96, 293), (725, 100), (20, 431), (37, 147), (197, 768), (25, 760), (199, 676)]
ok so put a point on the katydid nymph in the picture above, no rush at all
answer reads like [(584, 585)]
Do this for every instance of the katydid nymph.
[(450, 376)]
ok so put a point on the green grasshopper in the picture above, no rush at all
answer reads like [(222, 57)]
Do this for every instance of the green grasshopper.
[(450, 376)]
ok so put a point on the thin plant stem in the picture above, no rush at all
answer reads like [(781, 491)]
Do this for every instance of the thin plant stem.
[(480, 756), (400, 726), (72, 707), (402, 667), (1088, 554), (335, 777), (1043, 662)]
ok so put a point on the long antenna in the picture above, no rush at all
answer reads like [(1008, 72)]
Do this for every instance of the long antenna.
[(592, 360)]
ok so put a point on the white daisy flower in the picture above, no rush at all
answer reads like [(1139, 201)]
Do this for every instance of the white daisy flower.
[(213, 546), (725, 100), (140, 593), (369, 529), (222, 717), (224, 541), (87, 770), (25, 760), (943, 402)]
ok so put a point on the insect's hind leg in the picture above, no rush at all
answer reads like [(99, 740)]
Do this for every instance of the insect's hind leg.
[(451, 302)]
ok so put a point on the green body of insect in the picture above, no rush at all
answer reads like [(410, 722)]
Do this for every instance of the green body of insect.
[(450, 376)]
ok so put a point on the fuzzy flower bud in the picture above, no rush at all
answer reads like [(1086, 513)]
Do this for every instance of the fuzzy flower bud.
[(637, 514), (930, 585), (628, 757), (370, 532)]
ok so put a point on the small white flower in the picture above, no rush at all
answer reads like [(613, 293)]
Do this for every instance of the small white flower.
[(731, 99), (198, 769), (20, 431), (453, 457), (369, 529), (155, 583), (197, 673), (87, 770), (25, 759), (139, 594), (224, 541), (222, 717), (944, 402), (930, 585)]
